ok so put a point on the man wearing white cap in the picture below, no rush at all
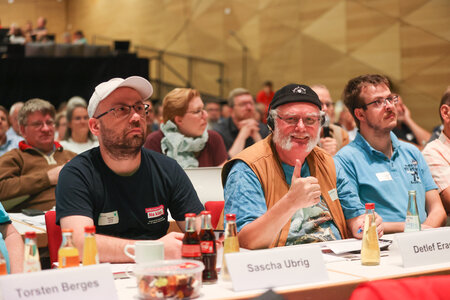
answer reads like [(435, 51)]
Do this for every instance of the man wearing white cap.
[(120, 187)]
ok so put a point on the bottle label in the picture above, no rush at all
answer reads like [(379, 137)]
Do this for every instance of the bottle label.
[(207, 246), (70, 261), (31, 265), (412, 223), (190, 250)]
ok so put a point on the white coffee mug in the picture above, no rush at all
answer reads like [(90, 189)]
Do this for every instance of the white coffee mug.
[(145, 251)]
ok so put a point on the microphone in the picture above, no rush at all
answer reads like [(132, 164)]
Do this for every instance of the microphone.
[(326, 127)]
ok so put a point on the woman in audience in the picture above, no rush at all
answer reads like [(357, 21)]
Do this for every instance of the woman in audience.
[(183, 134), (78, 137), (60, 126)]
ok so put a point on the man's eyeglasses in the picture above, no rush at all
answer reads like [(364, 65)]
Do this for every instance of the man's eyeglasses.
[(382, 102), (124, 110), (308, 120), (85, 118), (40, 124)]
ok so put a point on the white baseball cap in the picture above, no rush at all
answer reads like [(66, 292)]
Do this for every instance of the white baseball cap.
[(104, 89)]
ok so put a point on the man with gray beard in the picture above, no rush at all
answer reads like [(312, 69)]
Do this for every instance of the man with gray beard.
[(120, 187), (284, 189)]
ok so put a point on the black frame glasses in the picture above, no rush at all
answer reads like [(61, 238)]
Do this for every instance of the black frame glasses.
[(123, 111)]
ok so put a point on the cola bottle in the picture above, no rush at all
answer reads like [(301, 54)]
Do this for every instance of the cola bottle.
[(191, 242), (208, 248)]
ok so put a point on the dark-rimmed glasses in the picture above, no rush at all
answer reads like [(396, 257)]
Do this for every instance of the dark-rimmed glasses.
[(123, 111)]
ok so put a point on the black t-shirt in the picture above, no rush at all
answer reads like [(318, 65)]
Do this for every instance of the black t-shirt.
[(133, 207)]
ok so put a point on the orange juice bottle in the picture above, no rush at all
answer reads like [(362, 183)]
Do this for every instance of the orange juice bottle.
[(3, 269), (68, 254), (90, 254)]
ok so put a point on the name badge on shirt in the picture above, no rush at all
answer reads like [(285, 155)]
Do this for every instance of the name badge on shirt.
[(384, 176), (109, 218), (333, 194)]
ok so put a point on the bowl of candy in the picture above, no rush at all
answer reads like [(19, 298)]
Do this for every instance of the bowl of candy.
[(169, 279)]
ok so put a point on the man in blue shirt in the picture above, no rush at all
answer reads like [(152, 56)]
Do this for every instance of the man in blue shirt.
[(6, 142), (381, 168)]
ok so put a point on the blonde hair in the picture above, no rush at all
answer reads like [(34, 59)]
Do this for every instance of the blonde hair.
[(176, 103)]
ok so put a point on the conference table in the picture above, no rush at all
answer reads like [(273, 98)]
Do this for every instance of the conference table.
[(344, 275)]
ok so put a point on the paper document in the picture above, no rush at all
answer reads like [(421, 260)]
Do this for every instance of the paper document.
[(353, 246)]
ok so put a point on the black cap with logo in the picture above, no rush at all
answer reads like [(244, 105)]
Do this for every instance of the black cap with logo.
[(294, 93)]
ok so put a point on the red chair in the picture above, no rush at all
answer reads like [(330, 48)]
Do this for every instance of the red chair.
[(426, 287), (216, 209), (54, 235)]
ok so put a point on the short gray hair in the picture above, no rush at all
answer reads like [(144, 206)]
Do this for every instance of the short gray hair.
[(34, 105), (236, 92)]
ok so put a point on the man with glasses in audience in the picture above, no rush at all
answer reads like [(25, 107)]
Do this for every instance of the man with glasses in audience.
[(241, 130), (120, 187), (28, 175), (381, 168), (332, 137), (284, 189)]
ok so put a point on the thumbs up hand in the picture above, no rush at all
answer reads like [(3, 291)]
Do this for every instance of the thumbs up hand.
[(304, 192)]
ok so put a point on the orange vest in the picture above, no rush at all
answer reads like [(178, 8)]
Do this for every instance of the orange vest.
[(265, 163)]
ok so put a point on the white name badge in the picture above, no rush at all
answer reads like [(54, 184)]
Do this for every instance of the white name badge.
[(90, 282), (110, 218), (384, 176), (276, 267), (424, 247)]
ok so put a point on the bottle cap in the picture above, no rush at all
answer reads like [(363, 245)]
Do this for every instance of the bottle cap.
[(411, 192), (370, 205), (89, 229), (67, 230), (190, 215), (231, 217), (30, 235), (205, 212)]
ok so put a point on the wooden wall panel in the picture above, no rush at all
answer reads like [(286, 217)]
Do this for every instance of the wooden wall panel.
[(306, 41)]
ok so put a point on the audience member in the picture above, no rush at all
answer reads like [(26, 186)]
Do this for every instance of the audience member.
[(14, 129), (381, 168), (120, 187), (348, 123), (152, 126), (60, 126), (225, 111), (28, 31), (78, 138), (241, 130), (67, 38), (11, 244), (78, 38), (39, 34), (265, 95), (437, 154), (213, 110), (407, 129), (260, 113), (15, 35), (283, 189), (6, 143), (332, 137), (28, 175), (183, 135)]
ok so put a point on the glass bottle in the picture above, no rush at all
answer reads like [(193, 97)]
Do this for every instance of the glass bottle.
[(208, 248), (191, 241), (90, 254), (370, 251), (31, 260), (412, 221), (68, 254), (231, 243)]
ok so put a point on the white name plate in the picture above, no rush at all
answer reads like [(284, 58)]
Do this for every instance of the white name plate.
[(90, 282), (276, 267), (424, 247)]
